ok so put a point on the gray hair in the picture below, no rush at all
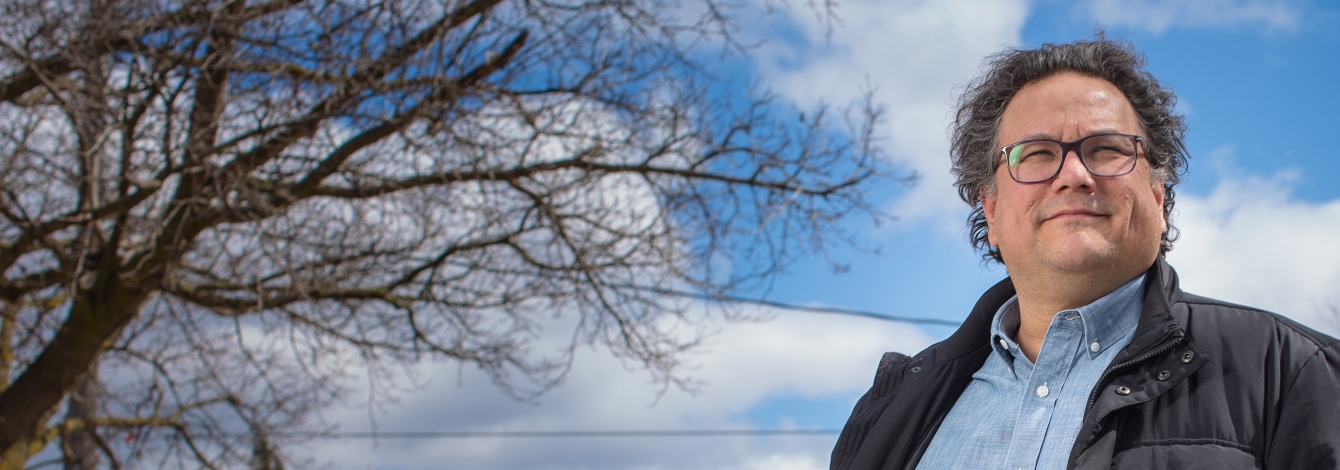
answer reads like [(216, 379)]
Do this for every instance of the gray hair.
[(977, 122)]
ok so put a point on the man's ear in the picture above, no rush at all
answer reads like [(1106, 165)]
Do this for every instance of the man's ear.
[(1158, 196), (988, 199)]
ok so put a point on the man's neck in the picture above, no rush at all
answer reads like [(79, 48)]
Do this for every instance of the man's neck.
[(1040, 298)]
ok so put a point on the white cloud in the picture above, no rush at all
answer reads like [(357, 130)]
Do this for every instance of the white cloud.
[(914, 53), (797, 354), (1250, 242), (785, 462), (1159, 16)]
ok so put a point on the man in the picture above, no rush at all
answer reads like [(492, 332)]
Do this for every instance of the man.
[(1089, 355)]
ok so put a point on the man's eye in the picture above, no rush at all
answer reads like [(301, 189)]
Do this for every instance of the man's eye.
[(1031, 154), (1037, 155), (1105, 153)]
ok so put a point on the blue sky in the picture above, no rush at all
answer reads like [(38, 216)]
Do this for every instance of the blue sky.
[(1259, 211)]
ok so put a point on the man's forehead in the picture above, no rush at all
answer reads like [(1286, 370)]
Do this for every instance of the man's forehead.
[(1066, 106)]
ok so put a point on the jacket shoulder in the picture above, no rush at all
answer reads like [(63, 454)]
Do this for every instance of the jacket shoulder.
[(1274, 368), (868, 409), (1235, 322)]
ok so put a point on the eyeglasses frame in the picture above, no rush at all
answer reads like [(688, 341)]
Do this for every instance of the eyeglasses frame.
[(1066, 148)]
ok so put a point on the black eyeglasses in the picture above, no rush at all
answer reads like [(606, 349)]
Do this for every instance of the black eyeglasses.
[(1038, 160)]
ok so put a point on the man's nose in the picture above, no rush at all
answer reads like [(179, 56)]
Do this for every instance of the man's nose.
[(1073, 173)]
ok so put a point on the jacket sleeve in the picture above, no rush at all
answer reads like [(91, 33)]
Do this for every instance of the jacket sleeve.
[(1307, 434), (867, 411)]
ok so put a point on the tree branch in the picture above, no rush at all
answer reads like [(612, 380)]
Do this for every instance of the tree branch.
[(444, 96), (363, 78), (530, 171), (40, 70)]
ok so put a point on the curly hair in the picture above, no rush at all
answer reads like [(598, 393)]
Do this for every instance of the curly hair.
[(977, 123)]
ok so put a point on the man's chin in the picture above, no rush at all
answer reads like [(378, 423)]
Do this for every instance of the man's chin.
[(1084, 258)]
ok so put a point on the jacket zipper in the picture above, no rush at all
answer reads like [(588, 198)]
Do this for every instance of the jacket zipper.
[(1093, 395)]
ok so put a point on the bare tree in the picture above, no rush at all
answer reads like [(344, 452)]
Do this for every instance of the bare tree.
[(212, 208)]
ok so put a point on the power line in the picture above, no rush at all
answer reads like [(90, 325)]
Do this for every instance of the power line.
[(840, 311), (542, 434), (787, 306)]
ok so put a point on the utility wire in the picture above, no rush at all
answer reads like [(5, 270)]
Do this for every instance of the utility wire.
[(517, 434), (840, 311)]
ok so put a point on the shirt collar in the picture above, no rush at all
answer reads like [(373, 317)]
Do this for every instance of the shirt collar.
[(1106, 320), (1003, 325), (1113, 316)]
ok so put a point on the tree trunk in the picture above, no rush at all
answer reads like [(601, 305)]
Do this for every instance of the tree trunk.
[(96, 317)]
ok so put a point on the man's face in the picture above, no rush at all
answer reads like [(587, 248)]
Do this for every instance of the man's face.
[(1076, 222)]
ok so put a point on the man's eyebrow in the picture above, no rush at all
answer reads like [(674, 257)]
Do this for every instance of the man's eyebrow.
[(1044, 135), (1039, 135)]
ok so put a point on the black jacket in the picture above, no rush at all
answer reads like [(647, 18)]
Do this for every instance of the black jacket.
[(1203, 384)]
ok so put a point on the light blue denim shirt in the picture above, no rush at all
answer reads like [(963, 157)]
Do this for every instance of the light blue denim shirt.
[(1019, 415)]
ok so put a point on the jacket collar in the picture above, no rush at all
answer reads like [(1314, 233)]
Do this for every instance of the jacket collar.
[(975, 333), (1156, 324)]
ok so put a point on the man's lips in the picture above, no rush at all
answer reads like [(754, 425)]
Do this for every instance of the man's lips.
[(1074, 208), (1074, 213)]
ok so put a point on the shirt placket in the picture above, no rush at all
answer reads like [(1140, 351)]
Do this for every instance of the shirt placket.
[(1043, 386)]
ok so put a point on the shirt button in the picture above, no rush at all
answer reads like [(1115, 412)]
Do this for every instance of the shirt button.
[(1042, 390), (1094, 346), (1003, 344)]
